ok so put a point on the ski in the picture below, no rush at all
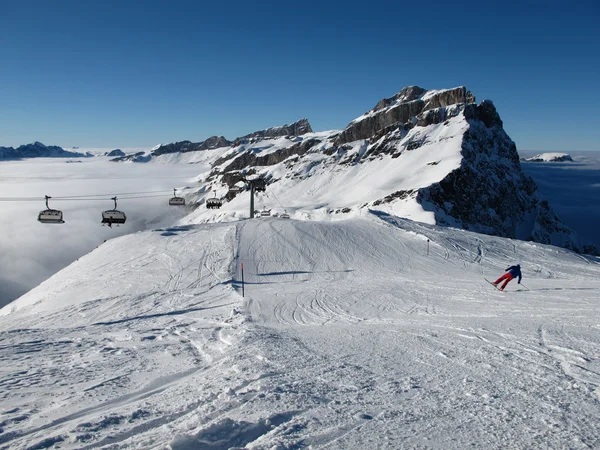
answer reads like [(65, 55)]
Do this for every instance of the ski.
[(497, 288)]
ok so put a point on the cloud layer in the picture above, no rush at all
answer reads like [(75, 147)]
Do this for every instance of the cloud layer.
[(30, 252)]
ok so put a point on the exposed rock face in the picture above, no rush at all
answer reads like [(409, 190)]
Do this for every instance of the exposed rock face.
[(403, 109), (115, 152), (136, 157), (188, 146), (489, 193), (297, 128), (38, 150), (214, 142), (249, 159)]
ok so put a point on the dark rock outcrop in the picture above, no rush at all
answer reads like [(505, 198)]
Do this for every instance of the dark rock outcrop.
[(297, 128), (402, 109), (188, 146), (115, 152), (250, 159), (489, 193)]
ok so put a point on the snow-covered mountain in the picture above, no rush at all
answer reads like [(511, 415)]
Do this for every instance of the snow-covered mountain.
[(433, 156), (114, 153), (297, 128), (38, 150), (549, 157)]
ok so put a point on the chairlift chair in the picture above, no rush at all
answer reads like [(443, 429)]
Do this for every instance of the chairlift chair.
[(50, 215), (232, 192), (176, 201), (265, 212), (113, 216), (214, 202), (285, 215)]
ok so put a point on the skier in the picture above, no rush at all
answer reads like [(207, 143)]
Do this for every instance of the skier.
[(511, 272)]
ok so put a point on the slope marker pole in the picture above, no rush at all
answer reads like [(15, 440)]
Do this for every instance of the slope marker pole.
[(242, 280)]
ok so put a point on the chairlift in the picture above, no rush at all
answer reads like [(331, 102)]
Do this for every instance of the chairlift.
[(50, 215), (285, 215), (113, 216), (265, 212), (176, 201), (214, 202), (232, 192)]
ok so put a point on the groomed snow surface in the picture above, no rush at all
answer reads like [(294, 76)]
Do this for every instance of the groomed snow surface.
[(353, 334)]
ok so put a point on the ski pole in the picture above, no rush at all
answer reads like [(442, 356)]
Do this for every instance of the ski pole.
[(524, 286)]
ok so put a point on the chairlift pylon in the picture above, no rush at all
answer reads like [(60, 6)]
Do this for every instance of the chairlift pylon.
[(176, 201), (260, 185), (113, 216), (50, 215)]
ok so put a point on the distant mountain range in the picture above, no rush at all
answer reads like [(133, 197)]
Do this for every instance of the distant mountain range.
[(549, 157), (38, 150)]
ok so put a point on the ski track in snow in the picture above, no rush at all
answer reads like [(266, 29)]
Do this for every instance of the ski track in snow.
[(350, 335)]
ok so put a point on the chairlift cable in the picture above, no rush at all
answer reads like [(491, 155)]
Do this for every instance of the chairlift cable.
[(86, 197), (277, 199)]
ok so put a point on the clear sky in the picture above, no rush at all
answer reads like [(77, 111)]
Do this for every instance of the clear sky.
[(123, 73)]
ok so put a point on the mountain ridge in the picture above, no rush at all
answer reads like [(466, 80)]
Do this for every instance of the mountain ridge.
[(39, 150), (469, 173)]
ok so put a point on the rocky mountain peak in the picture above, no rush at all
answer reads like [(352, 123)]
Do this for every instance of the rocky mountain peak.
[(406, 95), (297, 128), (404, 109)]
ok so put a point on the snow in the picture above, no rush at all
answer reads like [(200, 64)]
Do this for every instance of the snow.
[(351, 334), (549, 157)]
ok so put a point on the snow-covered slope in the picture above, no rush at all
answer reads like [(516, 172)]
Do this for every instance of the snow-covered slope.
[(373, 332)]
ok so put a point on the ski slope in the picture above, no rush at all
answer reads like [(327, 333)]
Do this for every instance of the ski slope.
[(356, 333)]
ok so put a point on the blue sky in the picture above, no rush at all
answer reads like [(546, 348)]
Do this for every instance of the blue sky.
[(120, 73)]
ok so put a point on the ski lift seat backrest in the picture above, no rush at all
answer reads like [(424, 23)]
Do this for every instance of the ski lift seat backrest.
[(177, 201), (51, 216), (285, 216), (265, 212), (214, 203), (113, 216)]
